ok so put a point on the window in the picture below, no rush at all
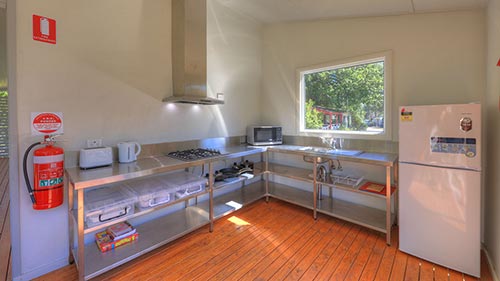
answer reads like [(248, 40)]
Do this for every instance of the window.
[(349, 97)]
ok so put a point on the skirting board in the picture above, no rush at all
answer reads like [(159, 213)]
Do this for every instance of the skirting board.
[(39, 271), (490, 263)]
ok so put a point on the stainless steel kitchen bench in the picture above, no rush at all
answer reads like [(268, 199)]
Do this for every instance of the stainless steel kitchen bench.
[(153, 234)]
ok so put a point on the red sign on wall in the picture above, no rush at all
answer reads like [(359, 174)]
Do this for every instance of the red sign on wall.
[(44, 123), (44, 29)]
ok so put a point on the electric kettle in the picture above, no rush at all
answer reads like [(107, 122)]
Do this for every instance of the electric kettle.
[(127, 151)]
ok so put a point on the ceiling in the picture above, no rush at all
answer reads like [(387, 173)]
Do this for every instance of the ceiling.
[(273, 11)]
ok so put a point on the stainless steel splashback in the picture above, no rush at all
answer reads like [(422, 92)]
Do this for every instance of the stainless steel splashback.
[(364, 145), (71, 158), (189, 53)]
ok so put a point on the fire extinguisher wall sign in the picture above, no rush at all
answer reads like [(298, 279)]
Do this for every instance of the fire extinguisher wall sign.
[(46, 123), (48, 162), (44, 29)]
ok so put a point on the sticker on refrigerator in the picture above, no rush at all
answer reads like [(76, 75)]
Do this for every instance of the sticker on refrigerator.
[(466, 124), (406, 115), (465, 146)]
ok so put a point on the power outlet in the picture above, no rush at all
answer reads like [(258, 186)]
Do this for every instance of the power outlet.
[(94, 143)]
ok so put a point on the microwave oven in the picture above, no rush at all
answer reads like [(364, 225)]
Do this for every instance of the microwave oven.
[(264, 135)]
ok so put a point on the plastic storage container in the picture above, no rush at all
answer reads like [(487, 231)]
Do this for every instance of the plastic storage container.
[(108, 203), (152, 192), (185, 183)]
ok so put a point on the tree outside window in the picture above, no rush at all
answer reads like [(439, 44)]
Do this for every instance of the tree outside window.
[(345, 98)]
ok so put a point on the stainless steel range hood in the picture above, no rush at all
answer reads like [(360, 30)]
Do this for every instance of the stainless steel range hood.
[(189, 53)]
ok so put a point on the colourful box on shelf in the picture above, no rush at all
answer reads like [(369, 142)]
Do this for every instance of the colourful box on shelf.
[(120, 230), (105, 242), (377, 188)]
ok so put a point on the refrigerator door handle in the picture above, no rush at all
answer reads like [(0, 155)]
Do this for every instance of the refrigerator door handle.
[(436, 166)]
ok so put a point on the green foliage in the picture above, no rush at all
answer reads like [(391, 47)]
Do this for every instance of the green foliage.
[(357, 91), (314, 118)]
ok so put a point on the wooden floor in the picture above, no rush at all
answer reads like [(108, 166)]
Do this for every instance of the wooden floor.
[(5, 248), (278, 241)]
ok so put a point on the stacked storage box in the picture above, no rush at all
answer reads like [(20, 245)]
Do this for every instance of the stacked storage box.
[(108, 203), (152, 192), (112, 202), (185, 183)]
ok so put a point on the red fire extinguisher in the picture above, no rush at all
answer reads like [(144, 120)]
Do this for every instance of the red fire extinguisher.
[(48, 174)]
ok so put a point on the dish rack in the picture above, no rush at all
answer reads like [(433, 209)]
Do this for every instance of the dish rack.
[(347, 180)]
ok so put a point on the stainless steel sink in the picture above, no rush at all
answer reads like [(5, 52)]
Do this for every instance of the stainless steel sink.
[(344, 152), (314, 149)]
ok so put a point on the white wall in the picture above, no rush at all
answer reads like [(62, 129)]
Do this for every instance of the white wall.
[(492, 208), (437, 58), (107, 73), (234, 68), (112, 66)]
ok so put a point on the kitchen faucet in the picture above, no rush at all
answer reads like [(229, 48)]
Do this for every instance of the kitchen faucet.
[(334, 143)]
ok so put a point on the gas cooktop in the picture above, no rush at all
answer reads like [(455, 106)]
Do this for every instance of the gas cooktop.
[(194, 154)]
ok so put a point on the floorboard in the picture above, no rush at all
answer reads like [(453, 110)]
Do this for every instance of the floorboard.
[(309, 260), (426, 271), (5, 242), (278, 241), (9, 271), (270, 259), (338, 255), (373, 263), (341, 271), (391, 268), (302, 244), (455, 275), (5, 249), (485, 268), (251, 258), (339, 234), (361, 260), (232, 256), (4, 192), (299, 255)]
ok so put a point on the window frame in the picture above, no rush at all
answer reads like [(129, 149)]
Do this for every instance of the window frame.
[(385, 56)]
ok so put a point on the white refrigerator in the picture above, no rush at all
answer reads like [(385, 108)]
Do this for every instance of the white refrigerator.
[(440, 184)]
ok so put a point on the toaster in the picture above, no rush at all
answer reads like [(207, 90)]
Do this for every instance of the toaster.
[(95, 157)]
